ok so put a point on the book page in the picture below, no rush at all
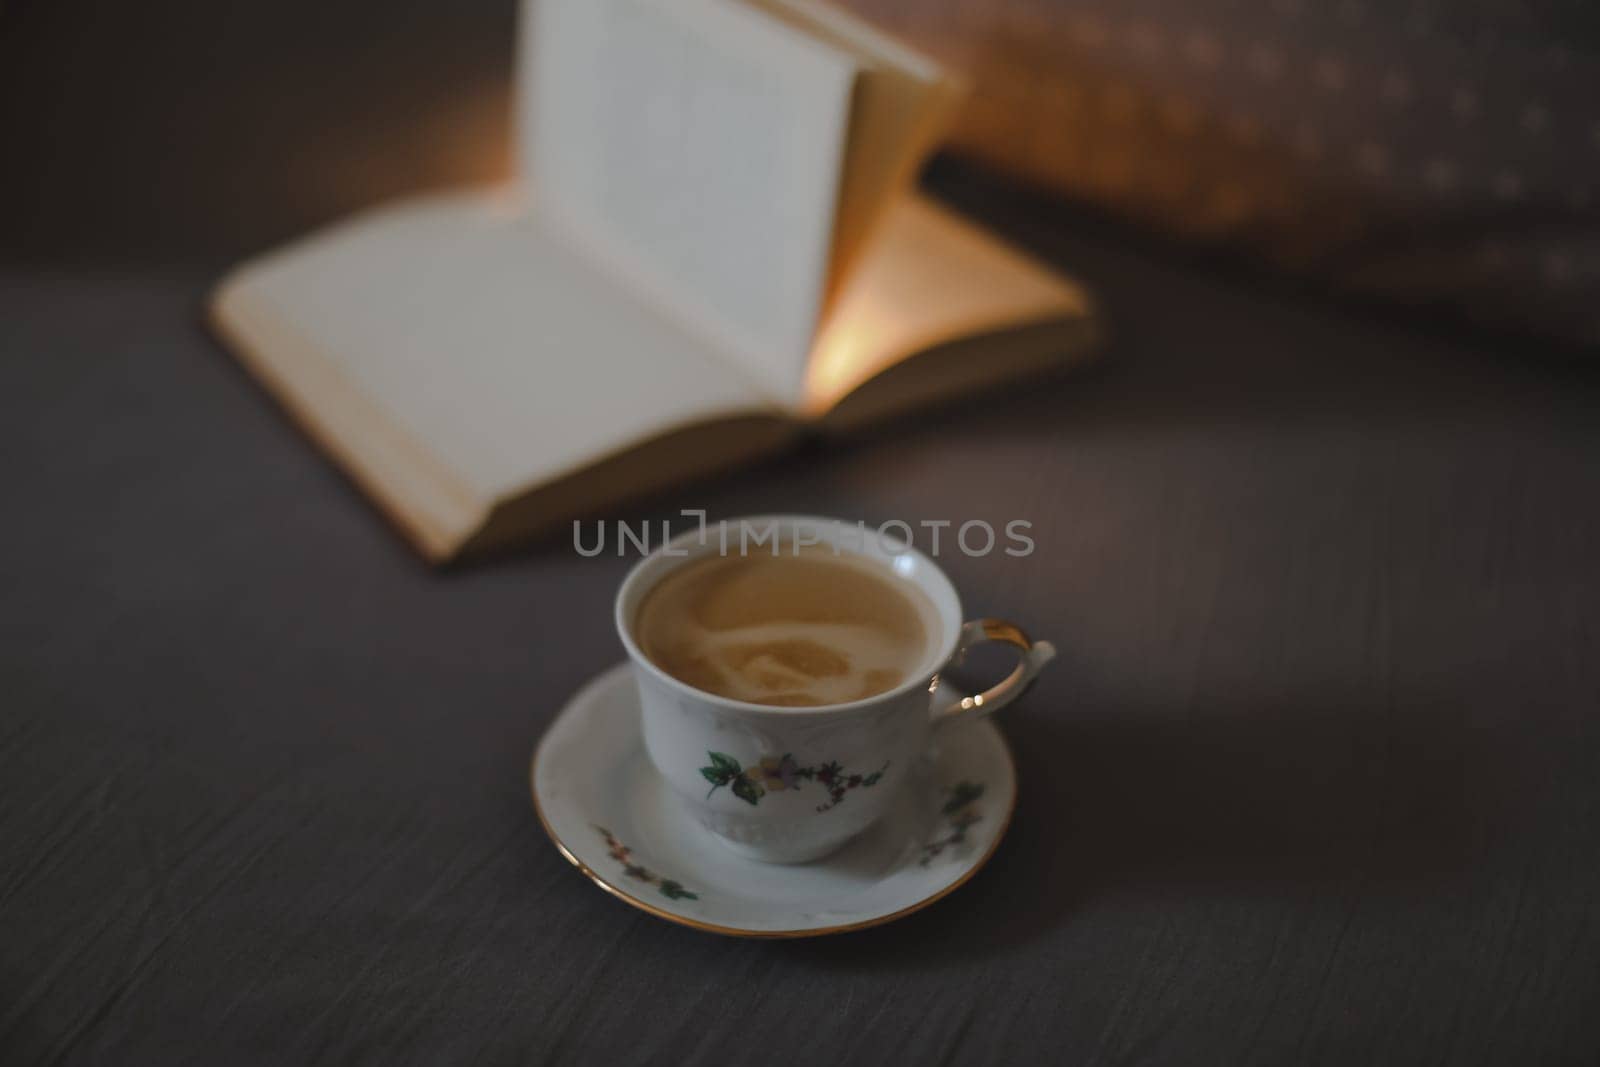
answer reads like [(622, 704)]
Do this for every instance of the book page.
[(931, 278), (902, 103), (693, 147), (490, 345)]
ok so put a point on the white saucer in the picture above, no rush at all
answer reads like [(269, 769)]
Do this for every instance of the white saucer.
[(609, 812)]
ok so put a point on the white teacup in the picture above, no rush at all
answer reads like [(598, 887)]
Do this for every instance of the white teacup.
[(788, 784)]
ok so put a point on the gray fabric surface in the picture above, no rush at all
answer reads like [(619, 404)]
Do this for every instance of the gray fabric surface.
[(1315, 779)]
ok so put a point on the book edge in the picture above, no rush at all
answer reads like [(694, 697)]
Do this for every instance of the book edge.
[(615, 478), (437, 533)]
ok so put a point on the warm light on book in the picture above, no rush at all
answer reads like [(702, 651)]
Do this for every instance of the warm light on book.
[(845, 356), (927, 278)]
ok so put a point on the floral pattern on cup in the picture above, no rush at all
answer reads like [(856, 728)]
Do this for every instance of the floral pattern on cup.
[(672, 890), (958, 809), (773, 774)]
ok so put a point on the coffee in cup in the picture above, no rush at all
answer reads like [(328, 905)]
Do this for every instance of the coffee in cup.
[(796, 629)]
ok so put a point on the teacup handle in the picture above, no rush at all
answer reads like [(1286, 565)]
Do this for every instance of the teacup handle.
[(1035, 654)]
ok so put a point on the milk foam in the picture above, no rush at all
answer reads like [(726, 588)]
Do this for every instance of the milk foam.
[(790, 630)]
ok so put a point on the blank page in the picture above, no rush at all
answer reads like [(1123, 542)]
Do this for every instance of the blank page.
[(693, 147), (489, 341), (902, 102)]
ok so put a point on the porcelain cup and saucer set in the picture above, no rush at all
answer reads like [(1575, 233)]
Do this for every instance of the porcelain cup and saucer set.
[(763, 821)]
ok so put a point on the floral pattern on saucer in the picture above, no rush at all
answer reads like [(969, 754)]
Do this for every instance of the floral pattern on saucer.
[(959, 811), (773, 774), (672, 890)]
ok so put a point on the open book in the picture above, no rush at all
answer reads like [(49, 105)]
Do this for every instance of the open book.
[(713, 247)]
